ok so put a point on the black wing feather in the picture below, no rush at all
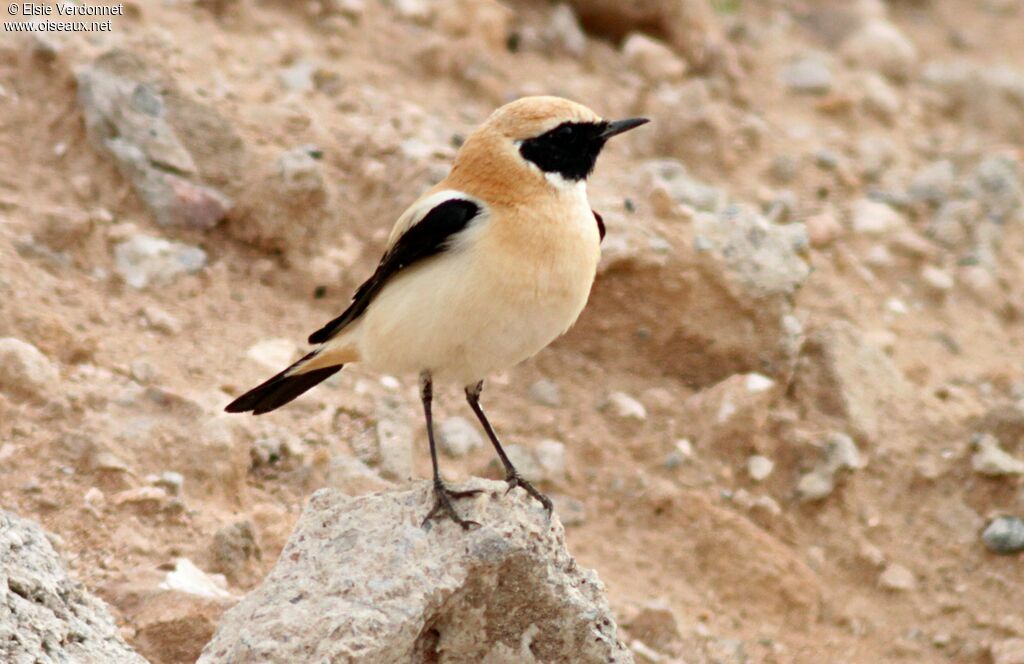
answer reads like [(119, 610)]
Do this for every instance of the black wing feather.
[(600, 223), (429, 237)]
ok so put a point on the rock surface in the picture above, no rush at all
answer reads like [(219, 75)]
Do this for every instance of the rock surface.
[(505, 592), (46, 616)]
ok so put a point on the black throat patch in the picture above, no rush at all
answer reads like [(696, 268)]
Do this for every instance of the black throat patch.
[(570, 149)]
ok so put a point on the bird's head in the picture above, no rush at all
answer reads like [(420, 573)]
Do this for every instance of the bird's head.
[(553, 138)]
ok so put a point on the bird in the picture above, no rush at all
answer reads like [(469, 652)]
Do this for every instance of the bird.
[(481, 272)]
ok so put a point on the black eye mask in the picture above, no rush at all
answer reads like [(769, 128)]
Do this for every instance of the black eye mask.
[(570, 149)]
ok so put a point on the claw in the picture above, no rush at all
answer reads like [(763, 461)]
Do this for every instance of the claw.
[(443, 505), (514, 479)]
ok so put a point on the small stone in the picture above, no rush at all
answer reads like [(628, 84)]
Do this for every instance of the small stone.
[(458, 437), (394, 442), (937, 279), (25, 371), (1004, 535), (159, 320), (624, 406), (823, 229), (234, 546), (571, 511), (299, 76), (759, 467), (881, 98), (815, 485), (171, 481), (652, 59), (992, 460), (563, 31), (188, 578), (897, 578), (550, 456), (524, 460), (146, 260), (841, 453), (1008, 651), (656, 625), (934, 183), (273, 354), (870, 217), (808, 74), (880, 46), (546, 393)]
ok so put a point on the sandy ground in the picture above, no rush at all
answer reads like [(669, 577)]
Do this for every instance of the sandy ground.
[(888, 566)]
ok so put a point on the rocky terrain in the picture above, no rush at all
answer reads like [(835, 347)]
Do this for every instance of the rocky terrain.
[(789, 427)]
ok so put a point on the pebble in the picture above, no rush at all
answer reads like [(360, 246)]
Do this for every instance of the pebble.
[(273, 354), (880, 97), (571, 511), (299, 76), (933, 184), (524, 460), (546, 392), (823, 229), (550, 456), (652, 59), (25, 371), (992, 460), (1007, 651), (808, 74), (563, 31), (1004, 535), (759, 467), (458, 437), (624, 406), (159, 320), (188, 578), (147, 260), (870, 217), (897, 578), (839, 453), (880, 46), (937, 279)]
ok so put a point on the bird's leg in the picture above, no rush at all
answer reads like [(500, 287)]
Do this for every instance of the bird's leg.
[(442, 494), (512, 476)]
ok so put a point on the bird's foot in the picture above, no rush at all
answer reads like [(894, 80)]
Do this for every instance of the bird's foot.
[(513, 479), (443, 505)]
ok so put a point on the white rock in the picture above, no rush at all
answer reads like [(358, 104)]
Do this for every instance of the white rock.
[(1008, 651), (870, 217), (652, 59), (47, 615), (880, 46), (564, 32), (759, 467), (937, 279), (25, 371), (458, 437), (815, 485), (274, 354), (188, 578), (624, 406), (546, 393), (157, 319), (897, 578), (550, 456), (993, 460), (808, 74), (758, 382), (365, 571), (144, 260)]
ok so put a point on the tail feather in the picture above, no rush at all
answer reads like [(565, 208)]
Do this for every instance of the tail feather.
[(281, 389)]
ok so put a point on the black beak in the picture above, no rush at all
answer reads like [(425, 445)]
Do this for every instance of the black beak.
[(620, 126)]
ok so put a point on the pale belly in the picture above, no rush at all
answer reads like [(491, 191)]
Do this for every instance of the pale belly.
[(462, 318)]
